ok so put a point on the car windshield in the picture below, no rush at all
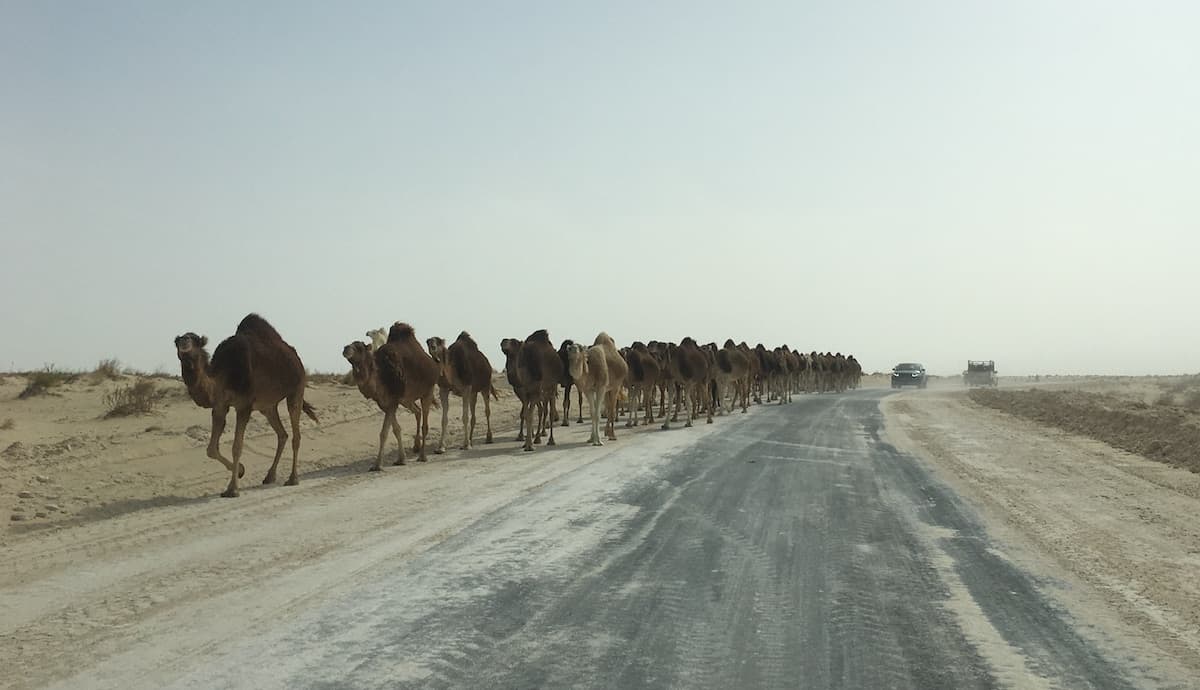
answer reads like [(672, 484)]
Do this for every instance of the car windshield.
[(907, 366)]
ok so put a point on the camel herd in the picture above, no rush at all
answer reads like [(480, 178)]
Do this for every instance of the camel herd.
[(255, 369)]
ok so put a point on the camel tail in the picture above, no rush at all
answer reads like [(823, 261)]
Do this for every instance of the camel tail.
[(310, 411)]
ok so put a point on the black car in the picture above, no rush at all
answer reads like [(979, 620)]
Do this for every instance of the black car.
[(908, 374)]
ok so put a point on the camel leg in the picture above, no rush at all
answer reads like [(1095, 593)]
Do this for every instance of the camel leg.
[(541, 421), (400, 460), (649, 403), (633, 405), (425, 405), (474, 417), (468, 429), (709, 405), (239, 437), (611, 430), (416, 410), (566, 419), (594, 403), (667, 420), (527, 418), (383, 434), (445, 393), (487, 414), (687, 403), (214, 440), (295, 409), (272, 416), (521, 424), (550, 420)]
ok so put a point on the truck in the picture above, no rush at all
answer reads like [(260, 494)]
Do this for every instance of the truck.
[(980, 373)]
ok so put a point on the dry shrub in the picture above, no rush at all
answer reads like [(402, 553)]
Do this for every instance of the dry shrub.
[(7, 424), (140, 397), (1191, 399), (1162, 433), (107, 369), (40, 382)]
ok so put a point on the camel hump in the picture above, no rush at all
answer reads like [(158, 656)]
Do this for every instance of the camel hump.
[(231, 361), (604, 339), (724, 362), (254, 324), (401, 331), (531, 360), (636, 365), (466, 339), (389, 364), (538, 336), (458, 362)]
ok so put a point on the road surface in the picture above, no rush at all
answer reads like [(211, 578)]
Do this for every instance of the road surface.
[(789, 547)]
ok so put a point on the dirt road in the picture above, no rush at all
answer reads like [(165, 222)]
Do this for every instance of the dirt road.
[(793, 546)]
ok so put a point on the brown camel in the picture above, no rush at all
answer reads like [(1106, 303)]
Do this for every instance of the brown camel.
[(644, 375), (399, 373), (589, 372), (563, 349), (253, 369), (689, 369), (511, 347), (466, 372), (539, 370), (754, 375), (733, 372)]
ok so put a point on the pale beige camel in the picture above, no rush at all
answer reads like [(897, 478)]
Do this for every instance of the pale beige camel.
[(466, 372), (378, 337), (617, 371), (589, 373), (399, 373), (253, 369)]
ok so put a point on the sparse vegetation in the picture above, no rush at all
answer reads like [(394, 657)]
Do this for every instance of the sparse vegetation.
[(1164, 431), (107, 369), (140, 397), (40, 382), (7, 424)]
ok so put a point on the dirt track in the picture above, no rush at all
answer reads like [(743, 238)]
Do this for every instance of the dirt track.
[(1116, 534)]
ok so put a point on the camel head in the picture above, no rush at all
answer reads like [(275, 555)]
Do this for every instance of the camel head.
[(437, 349), (510, 347), (378, 337), (577, 361), (190, 349), (358, 354)]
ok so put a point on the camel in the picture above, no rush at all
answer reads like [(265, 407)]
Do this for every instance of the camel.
[(733, 371), (253, 369), (539, 370), (589, 371), (511, 347), (466, 372), (563, 350), (783, 358), (617, 371), (666, 382), (769, 366), (399, 373), (644, 376), (754, 374), (378, 337), (689, 369)]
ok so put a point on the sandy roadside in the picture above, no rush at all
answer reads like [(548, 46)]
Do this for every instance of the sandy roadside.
[(1114, 535), (154, 548)]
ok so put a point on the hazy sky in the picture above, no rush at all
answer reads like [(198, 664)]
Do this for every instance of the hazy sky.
[(930, 181)]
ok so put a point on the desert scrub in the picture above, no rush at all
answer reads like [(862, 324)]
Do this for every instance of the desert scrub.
[(107, 370), (7, 424), (40, 382), (141, 397)]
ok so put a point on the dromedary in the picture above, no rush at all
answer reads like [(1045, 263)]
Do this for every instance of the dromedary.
[(539, 370), (511, 347), (399, 373), (689, 368), (589, 372), (617, 370), (564, 349), (643, 379), (378, 337), (733, 372), (465, 371), (253, 369)]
